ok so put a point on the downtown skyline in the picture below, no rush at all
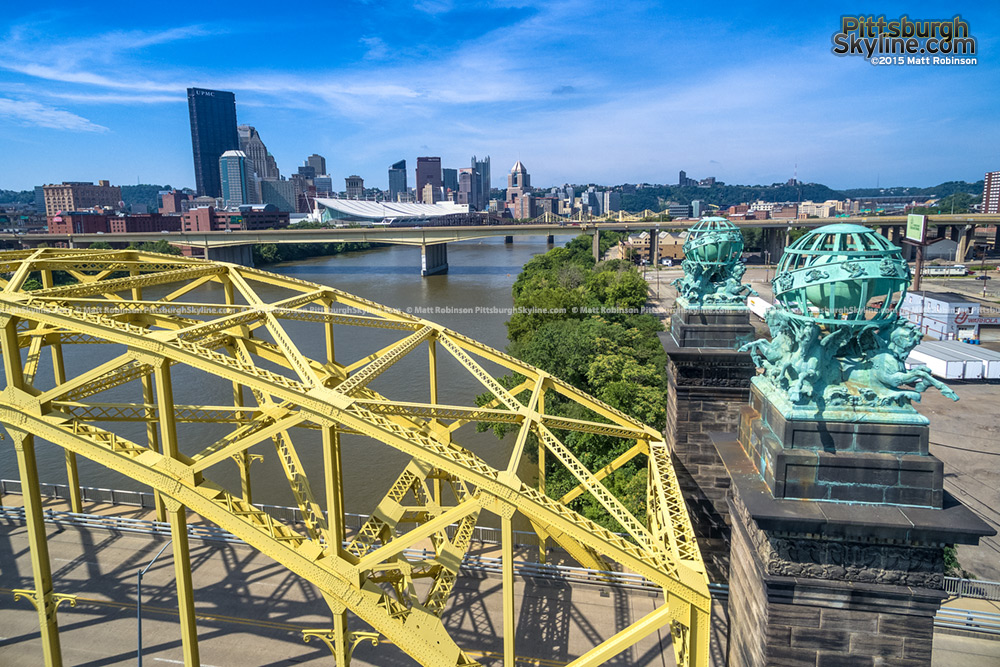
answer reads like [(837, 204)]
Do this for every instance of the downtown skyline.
[(744, 94)]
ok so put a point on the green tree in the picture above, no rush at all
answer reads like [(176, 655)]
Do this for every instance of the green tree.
[(600, 348)]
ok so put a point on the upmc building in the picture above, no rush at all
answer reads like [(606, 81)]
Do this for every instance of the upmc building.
[(213, 132)]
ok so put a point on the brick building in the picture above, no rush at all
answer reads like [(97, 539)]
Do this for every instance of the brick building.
[(171, 202), (148, 222), (77, 196), (91, 222), (250, 218)]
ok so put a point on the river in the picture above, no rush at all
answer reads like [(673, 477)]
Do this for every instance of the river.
[(480, 275)]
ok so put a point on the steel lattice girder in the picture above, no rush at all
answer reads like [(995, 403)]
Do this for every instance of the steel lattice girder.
[(371, 577)]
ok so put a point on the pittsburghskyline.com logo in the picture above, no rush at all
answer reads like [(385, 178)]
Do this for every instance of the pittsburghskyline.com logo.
[(905, 41)]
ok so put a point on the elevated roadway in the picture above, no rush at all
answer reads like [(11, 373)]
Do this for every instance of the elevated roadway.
[(420, 236)]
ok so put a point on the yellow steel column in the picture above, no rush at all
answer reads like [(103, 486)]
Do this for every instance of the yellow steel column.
[(508, 592), (24, 445), (243, 459), (153, 437), (542, 540), (335, 521), (334, 475), (59, 371), (178, 519), (432, 371)]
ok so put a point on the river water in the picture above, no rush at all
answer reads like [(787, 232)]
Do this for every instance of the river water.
[(480, 275)]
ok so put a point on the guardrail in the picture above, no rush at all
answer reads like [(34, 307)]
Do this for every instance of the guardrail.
[(968, 620), (947, 617), (973, 588)]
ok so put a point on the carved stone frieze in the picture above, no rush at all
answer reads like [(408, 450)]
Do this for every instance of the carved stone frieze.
[(813, 557)]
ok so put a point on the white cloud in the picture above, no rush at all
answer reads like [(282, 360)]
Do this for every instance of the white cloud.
[(33, 113), (377, 48)]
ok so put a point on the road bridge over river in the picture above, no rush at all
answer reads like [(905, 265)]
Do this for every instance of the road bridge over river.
[(234, 246)]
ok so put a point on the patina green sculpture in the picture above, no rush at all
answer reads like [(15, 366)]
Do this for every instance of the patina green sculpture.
[(838, 346), (713, 268)]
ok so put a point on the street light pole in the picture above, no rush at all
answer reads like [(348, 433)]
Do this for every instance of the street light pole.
[(656, 240), (138, 600)]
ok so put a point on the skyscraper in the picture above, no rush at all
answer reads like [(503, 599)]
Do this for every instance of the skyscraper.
[(354, 185), (397, 180), (238, 184), (991, 192), (483, 167), (262, 161), (213, 132), (317, 162), (470, 189), (519, 192), (449, 179), (428, 172)]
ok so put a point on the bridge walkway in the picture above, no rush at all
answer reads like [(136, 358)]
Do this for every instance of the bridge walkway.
[(252, 611)]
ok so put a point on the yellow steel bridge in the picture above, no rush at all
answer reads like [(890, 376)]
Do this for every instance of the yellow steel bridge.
[(149, 310)]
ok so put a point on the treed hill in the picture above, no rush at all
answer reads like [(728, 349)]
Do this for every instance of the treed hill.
[(725, 195), (942, 190)]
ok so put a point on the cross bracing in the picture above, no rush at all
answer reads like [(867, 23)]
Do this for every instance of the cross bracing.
[(152, 313)]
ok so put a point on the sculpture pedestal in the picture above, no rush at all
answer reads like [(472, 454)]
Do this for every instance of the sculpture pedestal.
[(863, 462), (855, 580), (706, 391), (723, 328)]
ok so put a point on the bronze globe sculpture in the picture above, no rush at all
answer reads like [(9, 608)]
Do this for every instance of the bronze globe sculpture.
[(713, 268), (839, 346)]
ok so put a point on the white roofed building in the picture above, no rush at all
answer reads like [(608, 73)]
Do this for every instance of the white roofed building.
[(361, 211)]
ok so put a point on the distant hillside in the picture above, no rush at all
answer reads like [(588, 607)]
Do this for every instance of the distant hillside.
[(142, 198), (942, 190), (730, 195), (17, 197), (726, 195)]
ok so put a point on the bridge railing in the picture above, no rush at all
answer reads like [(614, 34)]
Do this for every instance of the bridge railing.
[(951, 618), (954, 586)]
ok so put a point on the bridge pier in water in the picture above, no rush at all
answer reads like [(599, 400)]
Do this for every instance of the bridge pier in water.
[(233, 254), (509, 239), (433, 259)]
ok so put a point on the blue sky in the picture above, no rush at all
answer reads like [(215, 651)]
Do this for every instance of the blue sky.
[(579, 91)]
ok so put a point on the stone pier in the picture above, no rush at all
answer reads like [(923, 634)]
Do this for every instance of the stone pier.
[(838, 535), (433, 259), (707, 388)]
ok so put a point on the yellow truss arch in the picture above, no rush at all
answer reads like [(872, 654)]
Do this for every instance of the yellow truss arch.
[(278, 389)]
